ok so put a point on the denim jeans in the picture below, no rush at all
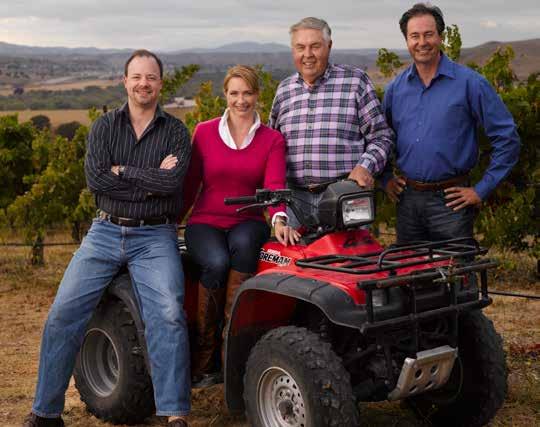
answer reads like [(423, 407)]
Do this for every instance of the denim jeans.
[(154, 263), (423, 215), (216, 250)]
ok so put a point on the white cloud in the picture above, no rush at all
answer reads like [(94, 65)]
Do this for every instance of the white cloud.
[(488, 24)]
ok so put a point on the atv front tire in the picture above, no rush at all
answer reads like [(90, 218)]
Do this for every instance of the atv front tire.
[(477, 386), (110, 373), (293, 378)]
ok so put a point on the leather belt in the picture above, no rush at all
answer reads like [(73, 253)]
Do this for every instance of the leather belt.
[(133, 222), (317, 188), (439, 185)]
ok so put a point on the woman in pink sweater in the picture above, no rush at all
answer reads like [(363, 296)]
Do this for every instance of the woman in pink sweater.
[(232, 156)]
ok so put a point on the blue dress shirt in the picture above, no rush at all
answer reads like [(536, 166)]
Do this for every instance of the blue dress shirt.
[(437, 125)]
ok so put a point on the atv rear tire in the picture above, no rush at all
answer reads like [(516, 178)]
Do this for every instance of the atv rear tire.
[(294, 379), (110, 373), (478, 384)]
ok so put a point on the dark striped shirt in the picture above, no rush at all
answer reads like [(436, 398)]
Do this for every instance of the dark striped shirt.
[(145, 190)]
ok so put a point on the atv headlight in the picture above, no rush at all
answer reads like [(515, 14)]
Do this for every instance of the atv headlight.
[(344, 204), (357, 211)]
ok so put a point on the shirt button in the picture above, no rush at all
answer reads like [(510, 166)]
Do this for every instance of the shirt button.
[(309, 126), (417, 139)]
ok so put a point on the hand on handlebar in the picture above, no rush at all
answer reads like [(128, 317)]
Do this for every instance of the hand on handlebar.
[(285, 234), (362, 177)]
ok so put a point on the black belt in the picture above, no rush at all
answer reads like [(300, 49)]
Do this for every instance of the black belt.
[(315, 188), (133, 222)]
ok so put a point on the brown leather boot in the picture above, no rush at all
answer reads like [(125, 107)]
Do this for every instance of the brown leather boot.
[(209, 312), (234, 281)]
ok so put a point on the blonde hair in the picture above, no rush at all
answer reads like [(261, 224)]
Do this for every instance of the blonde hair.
[(246, 73)]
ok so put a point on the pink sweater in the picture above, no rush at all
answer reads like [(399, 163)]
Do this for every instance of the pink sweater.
[(225, 172)]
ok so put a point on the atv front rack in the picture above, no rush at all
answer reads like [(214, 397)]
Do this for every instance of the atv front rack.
[(460, 255), (396, 257)]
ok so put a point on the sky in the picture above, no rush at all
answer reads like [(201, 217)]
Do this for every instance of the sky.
[(167, 25)]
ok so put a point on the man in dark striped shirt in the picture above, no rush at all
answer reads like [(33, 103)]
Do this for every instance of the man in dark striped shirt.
[(136, 159), (330, 117)]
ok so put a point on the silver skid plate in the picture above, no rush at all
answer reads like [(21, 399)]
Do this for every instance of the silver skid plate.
[(429, 371)]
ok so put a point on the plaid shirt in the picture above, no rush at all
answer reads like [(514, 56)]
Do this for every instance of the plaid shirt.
[(332, 126)]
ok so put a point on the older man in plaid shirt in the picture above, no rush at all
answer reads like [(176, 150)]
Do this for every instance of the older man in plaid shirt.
[(330, 117)]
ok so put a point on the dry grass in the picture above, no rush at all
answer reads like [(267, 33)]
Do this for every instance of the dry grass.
[(58, 117), (80, 84), (26, 294)]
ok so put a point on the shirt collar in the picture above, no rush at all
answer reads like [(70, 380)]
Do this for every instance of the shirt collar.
[(225, 133), (445, 68)]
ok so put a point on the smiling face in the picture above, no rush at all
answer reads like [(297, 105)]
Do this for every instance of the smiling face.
[(241, 98), (143, 82), (310, 53), (423, 40)]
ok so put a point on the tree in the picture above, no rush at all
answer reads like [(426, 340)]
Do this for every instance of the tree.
[(267, 92), (207, 106), (388, 62), (175, 80), (54, 195), (15, 157), (41, 122), (452, 42), (68, 130)]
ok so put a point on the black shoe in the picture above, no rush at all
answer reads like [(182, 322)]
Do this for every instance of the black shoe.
[(206, 380), (32, 420)]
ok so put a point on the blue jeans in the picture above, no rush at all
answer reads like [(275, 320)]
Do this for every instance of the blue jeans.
[(217, 251), (151, 254), (423, 215)]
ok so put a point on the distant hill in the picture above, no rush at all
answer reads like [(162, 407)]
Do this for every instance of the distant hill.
[(22, 65), (16, 50), (526, 61)]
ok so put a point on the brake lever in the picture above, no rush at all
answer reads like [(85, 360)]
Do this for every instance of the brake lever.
[(252, 206)]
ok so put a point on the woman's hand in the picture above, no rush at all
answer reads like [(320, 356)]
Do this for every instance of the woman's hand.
[(285, 234)]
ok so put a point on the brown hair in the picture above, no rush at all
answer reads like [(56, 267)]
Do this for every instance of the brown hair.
[(144, 53), (420, 9), (246, 73)]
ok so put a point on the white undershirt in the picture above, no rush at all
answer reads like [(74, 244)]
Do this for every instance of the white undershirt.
[(228, 140), (226, 136)]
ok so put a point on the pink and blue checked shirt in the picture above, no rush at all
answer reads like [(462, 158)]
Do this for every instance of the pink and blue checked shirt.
[(332, 126)]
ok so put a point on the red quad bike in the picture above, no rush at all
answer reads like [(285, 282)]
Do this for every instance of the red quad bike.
[(324, 324)]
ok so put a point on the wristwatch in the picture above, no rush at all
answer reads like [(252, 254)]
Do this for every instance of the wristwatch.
[(121, 170)]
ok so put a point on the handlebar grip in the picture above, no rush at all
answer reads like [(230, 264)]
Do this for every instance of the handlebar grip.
[(242, 200)]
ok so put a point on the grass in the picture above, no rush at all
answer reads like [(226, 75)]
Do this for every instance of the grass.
[(58, 117), (80, 84)]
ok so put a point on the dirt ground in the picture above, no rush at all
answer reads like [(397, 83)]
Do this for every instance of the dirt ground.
[(26, 294)]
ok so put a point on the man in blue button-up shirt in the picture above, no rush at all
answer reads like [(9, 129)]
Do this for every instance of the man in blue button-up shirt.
[(435, 107)]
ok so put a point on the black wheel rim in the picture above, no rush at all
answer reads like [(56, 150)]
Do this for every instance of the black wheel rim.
[(99, 362)]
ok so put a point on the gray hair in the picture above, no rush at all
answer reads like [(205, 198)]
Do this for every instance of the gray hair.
[(312, 23)]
